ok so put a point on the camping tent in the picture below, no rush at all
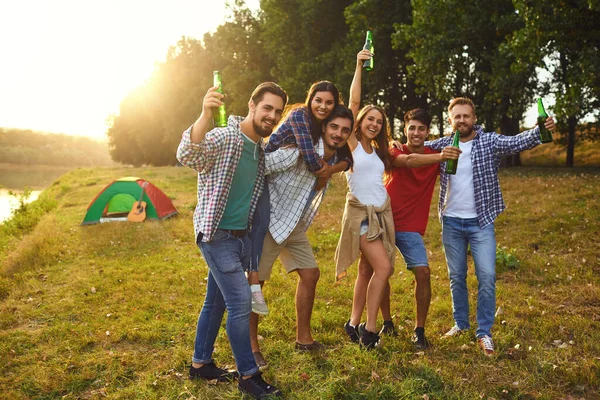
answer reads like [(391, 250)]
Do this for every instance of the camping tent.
[(116, 200)]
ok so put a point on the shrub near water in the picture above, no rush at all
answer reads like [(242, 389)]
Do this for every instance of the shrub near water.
[(110, 310)]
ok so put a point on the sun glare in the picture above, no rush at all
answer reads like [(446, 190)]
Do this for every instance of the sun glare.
[(70, 63)]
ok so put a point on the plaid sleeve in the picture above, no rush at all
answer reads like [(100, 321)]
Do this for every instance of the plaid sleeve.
[(506, 145), (276, 138), (280, 160), (198, 156), (301, 127), (438, 144)]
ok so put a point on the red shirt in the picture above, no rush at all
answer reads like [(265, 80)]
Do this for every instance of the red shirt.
[(410, 191)]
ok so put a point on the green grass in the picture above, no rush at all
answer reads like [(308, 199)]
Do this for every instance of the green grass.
[(131, 336)]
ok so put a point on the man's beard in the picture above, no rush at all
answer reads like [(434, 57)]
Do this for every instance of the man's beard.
[(333, 146), (262, 132), (461, 128)]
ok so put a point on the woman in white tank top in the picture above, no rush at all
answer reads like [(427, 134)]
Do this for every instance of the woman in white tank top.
[(369, 145)]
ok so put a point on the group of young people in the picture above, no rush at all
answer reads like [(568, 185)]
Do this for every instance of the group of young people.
[(256, 201)]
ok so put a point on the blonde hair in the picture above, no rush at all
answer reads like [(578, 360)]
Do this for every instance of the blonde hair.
[(461, 101)]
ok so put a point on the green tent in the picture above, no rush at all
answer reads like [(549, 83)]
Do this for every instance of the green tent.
[(117, 199)]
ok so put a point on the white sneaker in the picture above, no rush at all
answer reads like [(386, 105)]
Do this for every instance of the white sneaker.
[(454, 331), (259, 306), (487, 345)]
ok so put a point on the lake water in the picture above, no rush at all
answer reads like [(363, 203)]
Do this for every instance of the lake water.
[(16, 178)]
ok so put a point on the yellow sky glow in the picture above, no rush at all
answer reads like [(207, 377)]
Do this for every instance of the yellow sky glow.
[(67, 64)]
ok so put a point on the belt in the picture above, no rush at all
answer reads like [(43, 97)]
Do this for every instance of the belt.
[(236, 232)]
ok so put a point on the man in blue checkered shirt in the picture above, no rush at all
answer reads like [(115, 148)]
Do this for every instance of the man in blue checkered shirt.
[(469, 203)]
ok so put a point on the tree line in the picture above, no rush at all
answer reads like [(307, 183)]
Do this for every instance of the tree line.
[(502, 54), (26, 147)]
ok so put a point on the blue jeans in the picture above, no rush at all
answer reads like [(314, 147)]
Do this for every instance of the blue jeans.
[(227, 288), (260, 227), (457, 235)]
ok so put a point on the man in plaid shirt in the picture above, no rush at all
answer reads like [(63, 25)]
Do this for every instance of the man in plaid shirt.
[(230, 166), (295, 198), (469, 203)]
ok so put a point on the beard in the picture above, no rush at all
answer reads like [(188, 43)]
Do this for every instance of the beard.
[(333, 145), (464, 129), (262, 132)]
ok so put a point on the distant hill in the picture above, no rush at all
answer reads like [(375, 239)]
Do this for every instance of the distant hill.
[(26, 147)]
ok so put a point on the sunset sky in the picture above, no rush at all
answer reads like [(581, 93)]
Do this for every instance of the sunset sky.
[(67, 64)]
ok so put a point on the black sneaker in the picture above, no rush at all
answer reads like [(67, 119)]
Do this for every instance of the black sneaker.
[(361, 328), (419, 340), (388, 329), (211, 372), (256, 387), (351, 331), (369, 340)]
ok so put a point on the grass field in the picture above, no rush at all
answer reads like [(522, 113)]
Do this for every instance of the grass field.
[(586, 154), (109, 311)]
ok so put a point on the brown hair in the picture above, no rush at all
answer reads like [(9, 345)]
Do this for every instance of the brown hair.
[(341, 111), (321, 86), (315, 125), (268, 87), (380, 142), (418, 114)]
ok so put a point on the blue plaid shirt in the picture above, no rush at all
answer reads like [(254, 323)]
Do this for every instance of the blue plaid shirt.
[(488, 149)]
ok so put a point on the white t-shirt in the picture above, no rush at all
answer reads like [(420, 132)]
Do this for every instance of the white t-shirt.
[(460, 198), (366, 179)]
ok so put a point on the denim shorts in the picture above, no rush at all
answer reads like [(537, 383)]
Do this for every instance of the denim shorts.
[(412, 248), (364, 227)]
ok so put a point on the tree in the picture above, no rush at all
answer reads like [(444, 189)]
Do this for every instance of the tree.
[(459, 49), (562, 37), (153, 116), (389, 84), (304, 39), (237, 49)]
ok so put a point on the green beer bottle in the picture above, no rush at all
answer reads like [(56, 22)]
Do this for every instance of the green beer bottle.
[(368, 65), (220, 114), (451, 165), (545, 135)]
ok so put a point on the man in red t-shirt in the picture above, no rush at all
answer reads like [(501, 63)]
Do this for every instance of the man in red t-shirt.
[(410, 189)]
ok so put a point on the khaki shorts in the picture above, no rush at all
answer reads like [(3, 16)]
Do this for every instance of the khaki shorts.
[(295, 253)]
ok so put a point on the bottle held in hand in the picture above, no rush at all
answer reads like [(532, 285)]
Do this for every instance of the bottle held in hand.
[(368, 65), (545, 135), (220, 114), (451, 165)]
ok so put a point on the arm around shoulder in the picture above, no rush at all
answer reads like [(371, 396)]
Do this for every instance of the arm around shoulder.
[(438, 144), (281, 160), (416, 160)]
